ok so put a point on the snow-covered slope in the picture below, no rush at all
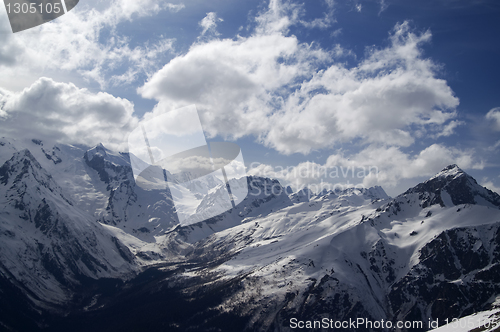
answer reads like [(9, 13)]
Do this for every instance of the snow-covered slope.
[(136, 211), (484, 321), (264, 197), (49, 244), (71, 213), (356, 255)]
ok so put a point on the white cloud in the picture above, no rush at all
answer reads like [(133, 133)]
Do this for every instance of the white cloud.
[(271, 86), (307, 174), (209, 24), (278, 17), (394, 165), (73, 43), (234, 82), (175, 7), (494, 116), (62, 112), (493, 147), (263, 170), (10, 48), (336, 33), (374, 165), (449, 129), (321, 23)]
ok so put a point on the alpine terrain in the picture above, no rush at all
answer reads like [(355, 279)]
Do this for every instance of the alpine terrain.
[(82, 248)]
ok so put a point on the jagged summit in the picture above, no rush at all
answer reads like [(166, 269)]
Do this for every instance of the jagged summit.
[(303, 195), (350, 253), (452, 186), (24, 154), (376, 192), (98, 151), (448, 188), (21, 164), (48, 243), (449, 172)]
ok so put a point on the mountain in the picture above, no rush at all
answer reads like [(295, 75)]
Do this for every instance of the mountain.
[(83, 247), (452, 186), (48, 245), (484, 321), (363, 255)]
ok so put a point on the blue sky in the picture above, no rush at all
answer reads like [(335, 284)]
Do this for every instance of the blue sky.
[(314, 87)]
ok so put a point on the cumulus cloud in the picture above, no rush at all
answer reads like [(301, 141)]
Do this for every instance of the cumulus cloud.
[(307, 174), (291, 96), (295, 97), (394, 165), (494, 117), (235, 83), (74, 42), (63, 112), (372, 166)]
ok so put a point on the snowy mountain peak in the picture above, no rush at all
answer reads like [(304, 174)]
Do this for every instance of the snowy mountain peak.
[(99, 150), (373, 193), (100, 146), (27, 183), (350, 253), (99, 154), (24, 154), (21, 164), (452, 186), (303, 195), (109, 165), (447, 189), (449, 172), (376, 192)]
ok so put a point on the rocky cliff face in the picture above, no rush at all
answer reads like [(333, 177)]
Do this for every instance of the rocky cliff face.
[(452, 186), (457, 275), (48, 245)]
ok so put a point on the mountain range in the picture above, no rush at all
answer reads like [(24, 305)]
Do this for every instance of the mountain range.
[(83, 248)]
